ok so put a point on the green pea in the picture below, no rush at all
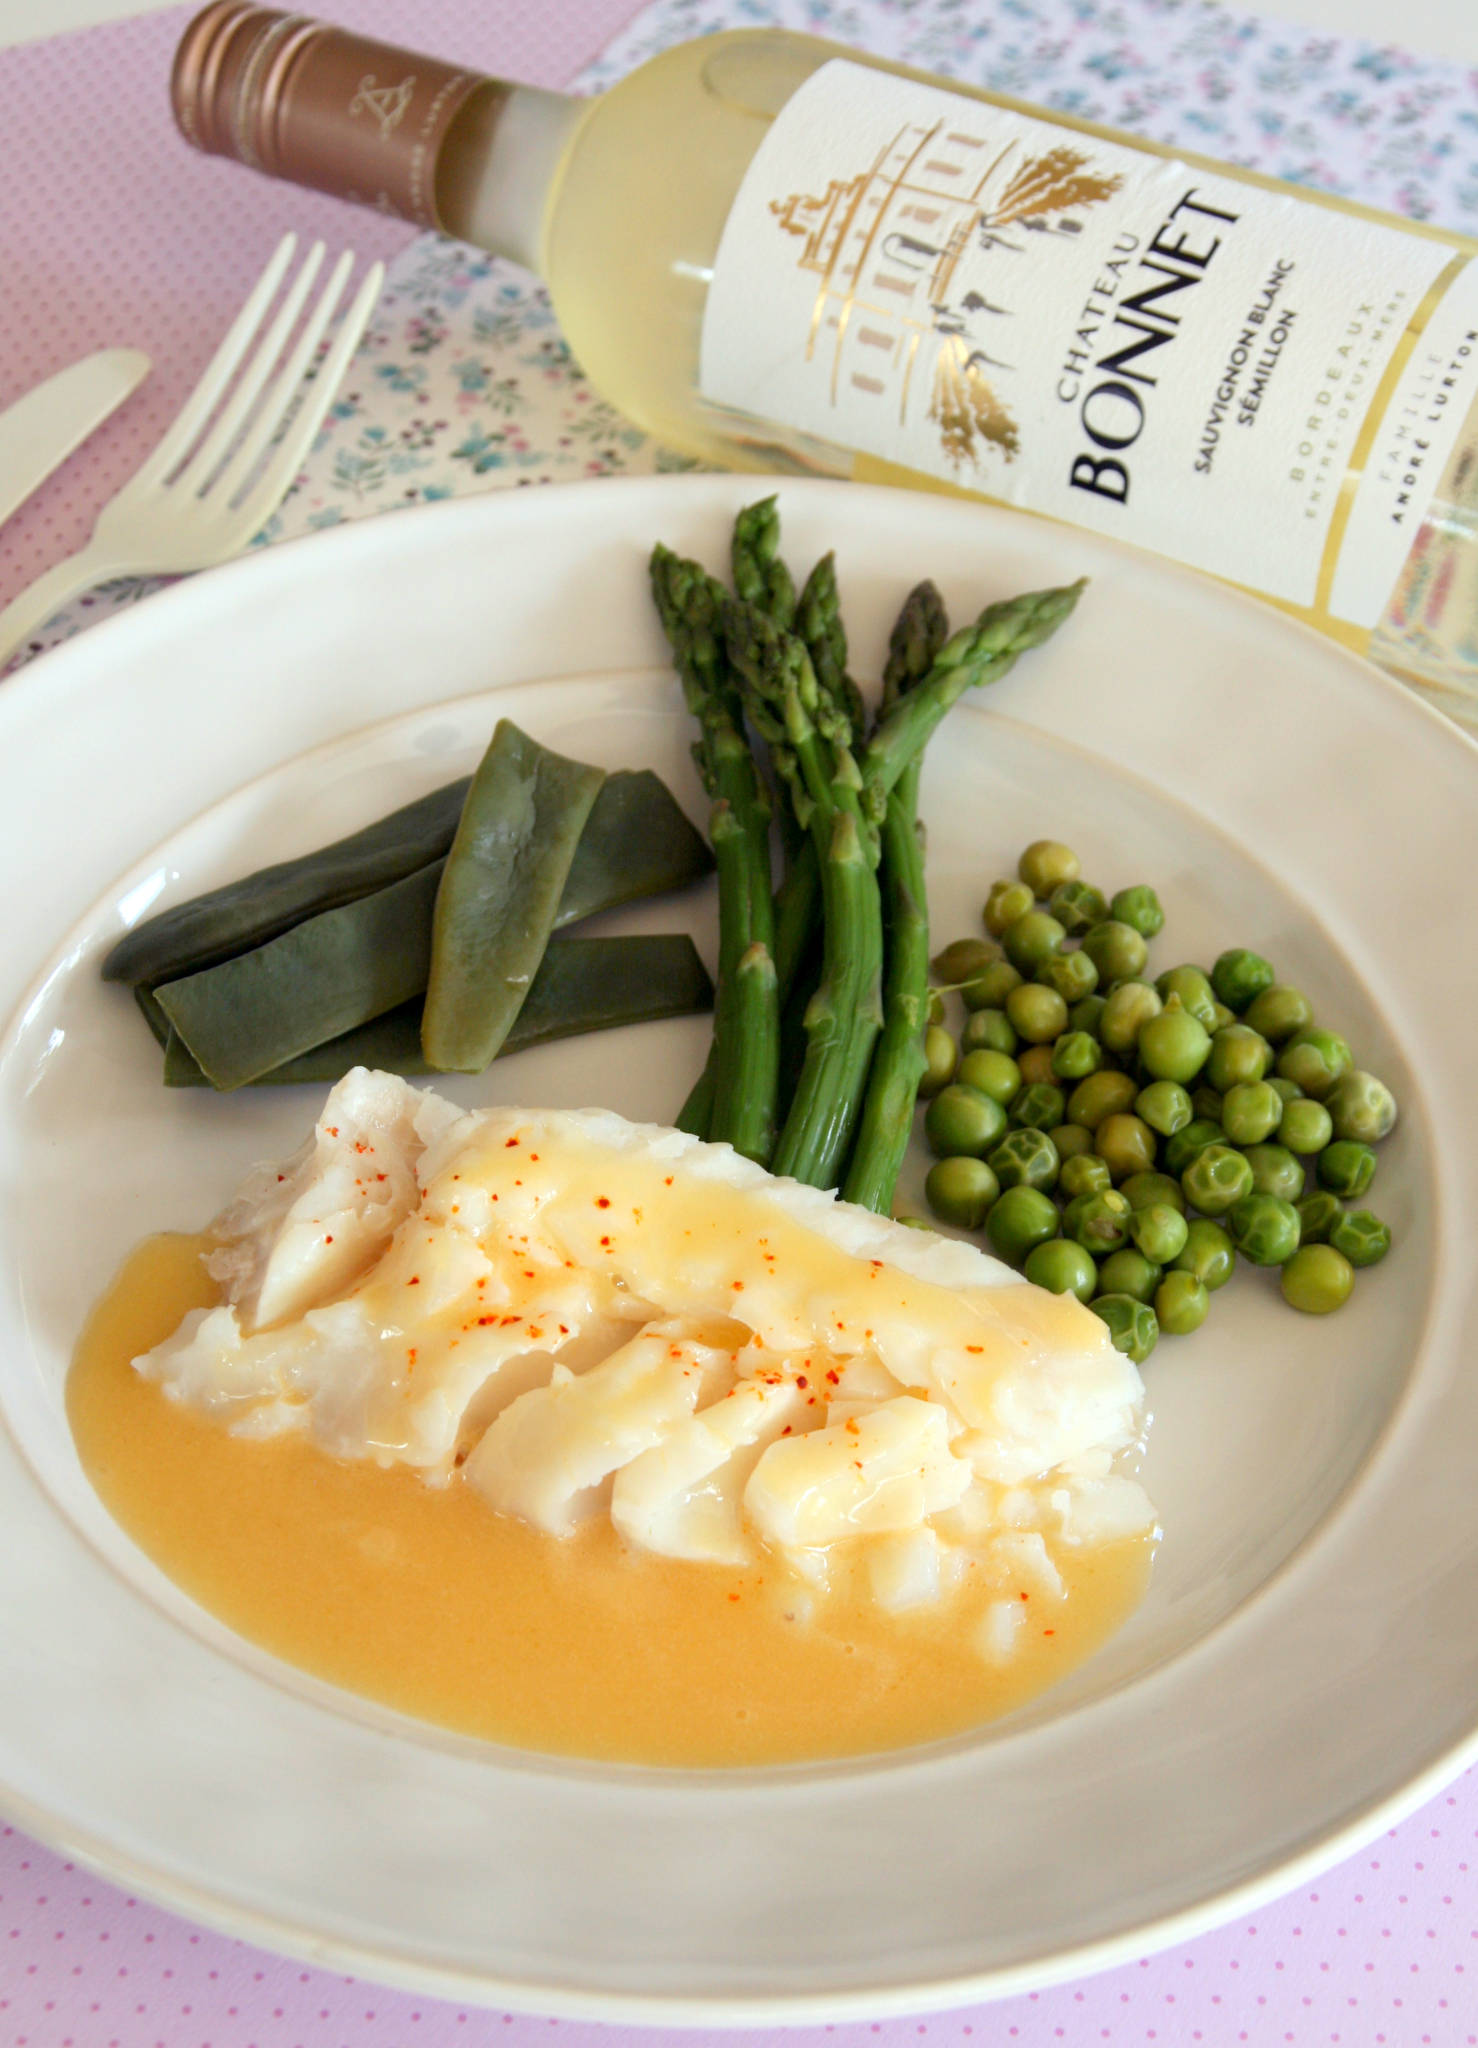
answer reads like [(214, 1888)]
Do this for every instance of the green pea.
[(1038, 1106), (1209, 1255), (988, 1031), (1264, 1229), (1037, 1014), (960, 1191), (1032, 939), (1073, 975), (940, 1057), (1360, 1237), (1139, 908), (1099, 1222), (1193, 988), (1317, 1279), (1159, 1231), (1083, 1173), (1305, 1125), (1143, 1190), (1240, 976), (1317, 1215), (1315, 1059), (937, 1012), (1117, 950), (1288, 1091), (1076, 1055), (1216, 1178), (1006, 902), (1346, 1167), (1077, 906), (1129, 1272), (1221, 1016), (1085, 1013), (989, 989), (1181, 1304), (1278, 1012), (1250, 1112), (1362, 1107), (1071, 1140), (1101, 1095), (1020, 1220), (1062, 1267), (1238, 1053), (1046, 864), (963, 959), (1127, 1143), (994, 1074), (1206, 1102), (1194, 1138), (1129, 1006), (1174, 1045), (1165, 1107), (1025, 1159), (1035, 1062), (1275, 1171), (959, 1120), (1131, 1324)]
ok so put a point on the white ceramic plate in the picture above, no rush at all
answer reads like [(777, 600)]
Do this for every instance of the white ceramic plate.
[(1305, 1666)]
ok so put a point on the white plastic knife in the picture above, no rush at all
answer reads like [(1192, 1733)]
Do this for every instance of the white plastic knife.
[(41, 430)]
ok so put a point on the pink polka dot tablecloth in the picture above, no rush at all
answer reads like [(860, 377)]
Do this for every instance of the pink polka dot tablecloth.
[(111, 231)]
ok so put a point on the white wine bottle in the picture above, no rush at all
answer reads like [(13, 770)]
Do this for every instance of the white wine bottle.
[(780, 255)]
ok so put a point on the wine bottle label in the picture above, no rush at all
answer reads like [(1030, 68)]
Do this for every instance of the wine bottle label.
[(1173, 357)]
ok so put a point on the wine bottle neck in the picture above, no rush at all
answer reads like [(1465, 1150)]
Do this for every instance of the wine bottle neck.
[(497, 168), (432, 143)]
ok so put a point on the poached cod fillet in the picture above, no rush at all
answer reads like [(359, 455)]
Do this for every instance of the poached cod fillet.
[(584, 1316)]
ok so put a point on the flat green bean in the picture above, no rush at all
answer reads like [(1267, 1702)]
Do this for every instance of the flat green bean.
[(245, 1016), (499, 894), (582, 985), (638, 841)]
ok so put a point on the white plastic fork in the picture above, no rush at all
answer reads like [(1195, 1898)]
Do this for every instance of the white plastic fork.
[(230, 456)]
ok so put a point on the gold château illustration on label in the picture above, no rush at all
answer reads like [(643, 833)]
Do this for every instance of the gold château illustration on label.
[(917, 250)]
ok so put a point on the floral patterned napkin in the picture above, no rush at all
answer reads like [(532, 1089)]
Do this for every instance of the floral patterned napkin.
[(464, 381)]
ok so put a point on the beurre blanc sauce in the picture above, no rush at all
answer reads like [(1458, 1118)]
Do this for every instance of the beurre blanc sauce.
[(422, 1598)]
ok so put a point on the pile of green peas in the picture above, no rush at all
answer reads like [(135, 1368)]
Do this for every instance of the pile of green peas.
[(1129, 1139)]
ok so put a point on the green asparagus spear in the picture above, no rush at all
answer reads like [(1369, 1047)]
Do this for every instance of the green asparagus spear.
[(746, 1012), (747, 1019), (818, 621), (883, 1131), (809, 734), (843, 1016), (797, 911), (976, 655), (809, 729), (898, 1062), (919, 633), (760, 575)]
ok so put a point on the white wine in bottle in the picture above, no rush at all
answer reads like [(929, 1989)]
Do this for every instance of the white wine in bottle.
[(779, 255)]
